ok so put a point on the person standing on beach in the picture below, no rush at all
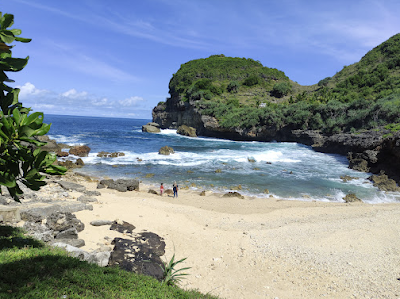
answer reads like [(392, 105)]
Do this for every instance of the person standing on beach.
[(175, 189), (161, 189)]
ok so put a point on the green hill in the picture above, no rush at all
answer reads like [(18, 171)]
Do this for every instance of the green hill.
[(243, 94)]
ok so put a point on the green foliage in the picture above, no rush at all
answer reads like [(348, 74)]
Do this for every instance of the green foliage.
[(21, 160), (233, 86), (210, 78), (252, 80), (171, 275), (281, 89), (324, 82), (30, 269)]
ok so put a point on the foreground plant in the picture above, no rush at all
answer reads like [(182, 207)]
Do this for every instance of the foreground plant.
[(172, 276), (21, 159)]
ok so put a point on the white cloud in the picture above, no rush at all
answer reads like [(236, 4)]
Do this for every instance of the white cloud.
[(132, 101), (73, 94), (29, 90), (100, 102)]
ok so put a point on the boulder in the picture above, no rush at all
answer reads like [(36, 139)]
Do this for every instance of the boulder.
[(141, 255), (80, 150), (92, 193), (151, 191), (233, 194), (101, 222), (86, 199), (122, 227), (382, 182), (187, 131), (166, 150), (121, 185), (99, 258), (64, 221), (62, 154), (70, 233), (150, 128), (69, 186), (110, 155), (351, 198)]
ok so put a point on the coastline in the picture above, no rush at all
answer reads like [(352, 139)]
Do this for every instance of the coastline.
[(263, 247)]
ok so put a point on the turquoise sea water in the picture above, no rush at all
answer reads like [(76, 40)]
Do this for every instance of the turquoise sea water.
[(287, 170)]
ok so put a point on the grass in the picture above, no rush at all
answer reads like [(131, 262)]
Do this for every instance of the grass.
[(31, 269)]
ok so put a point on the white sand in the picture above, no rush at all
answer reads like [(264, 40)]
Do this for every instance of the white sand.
[(264, 248)]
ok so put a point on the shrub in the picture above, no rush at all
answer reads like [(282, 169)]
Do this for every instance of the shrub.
[(281, 89)]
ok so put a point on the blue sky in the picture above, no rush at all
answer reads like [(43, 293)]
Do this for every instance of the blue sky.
[(115, 58)]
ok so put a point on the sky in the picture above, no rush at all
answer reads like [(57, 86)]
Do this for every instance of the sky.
[(116, 58)]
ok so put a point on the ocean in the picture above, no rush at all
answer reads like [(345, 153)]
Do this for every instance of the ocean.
[(286, 170)]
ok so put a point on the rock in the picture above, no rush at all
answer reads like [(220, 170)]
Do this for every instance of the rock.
[(80, 150), (351, 198), (149, 175), (62, 154), (110, 155), (121, 185), (149, 128), (186, 131), (384, 183), (122, 227), (69, 186), (203, 193), (169, 192), (233, 194), (166, 150), (101, 222), (70, 233), (218, 171), (92, 193), (251, 160), (40, 213), (99, 258), (347, 178), (151, 191), (64, 221), (266, 191), (79, 162), (141, 255), (86, 199)]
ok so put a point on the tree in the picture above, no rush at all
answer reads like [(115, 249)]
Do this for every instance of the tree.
[(21, 159)]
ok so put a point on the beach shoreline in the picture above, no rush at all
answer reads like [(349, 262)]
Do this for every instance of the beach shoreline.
[(262, 247)]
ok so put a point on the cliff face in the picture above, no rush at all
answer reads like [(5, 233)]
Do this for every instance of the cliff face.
[(368, 151)]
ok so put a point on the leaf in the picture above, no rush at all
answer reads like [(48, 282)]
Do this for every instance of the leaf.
[(14, 64), (33, 118), (7, 37), (7, 21), (16, 31), (23, 40)]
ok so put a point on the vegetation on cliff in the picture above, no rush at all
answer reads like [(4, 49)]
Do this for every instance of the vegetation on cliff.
[(241, 93)]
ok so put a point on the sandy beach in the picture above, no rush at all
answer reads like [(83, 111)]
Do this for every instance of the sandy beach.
[(263, 248)]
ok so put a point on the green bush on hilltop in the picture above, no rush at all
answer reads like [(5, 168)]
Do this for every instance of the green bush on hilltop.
[(21, 159), (362, 96)]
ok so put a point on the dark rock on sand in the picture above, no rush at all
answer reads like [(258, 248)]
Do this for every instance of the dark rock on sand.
[(121, 185), (233, 194), (141, 255), (122, 227)]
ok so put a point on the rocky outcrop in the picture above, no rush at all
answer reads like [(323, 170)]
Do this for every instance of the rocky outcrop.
[(151, 128), (369, 151), (166, 150), (186, 131), (110, 155), (80, 150), (120, 185)]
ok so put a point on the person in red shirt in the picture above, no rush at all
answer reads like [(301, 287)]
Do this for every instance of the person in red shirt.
[(161, 189)]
